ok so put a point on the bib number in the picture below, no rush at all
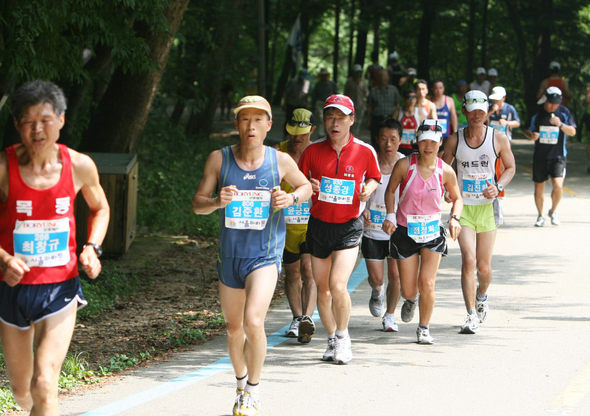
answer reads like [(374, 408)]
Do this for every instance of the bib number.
[(445, 125), (337, 191), (42, 243), (474, 184), (248, 210), (408, 136), (424, 228), (548, 134), (297, 214), (377, 212)]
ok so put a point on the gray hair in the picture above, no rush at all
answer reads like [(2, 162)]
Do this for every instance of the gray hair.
[(37, 92)]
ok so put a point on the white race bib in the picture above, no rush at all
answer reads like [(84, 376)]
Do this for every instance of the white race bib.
[(248, 210), (377, 212), (297, 214), (337, 191), (424, 228), (445, 125), (408, 136), (42, 243), (548, 134), (474, 184), (495, 124)]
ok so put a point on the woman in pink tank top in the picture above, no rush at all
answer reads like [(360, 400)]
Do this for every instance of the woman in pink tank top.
[(418, 240)]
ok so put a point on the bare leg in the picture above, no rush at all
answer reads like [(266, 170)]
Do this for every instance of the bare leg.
[(556, 193), (408, 273), (393, 285), (539, 189), (321, 275), (17, 346), (485, 250), (343, 262), (429, 262), (293, 286), (232, 305), (467, 243), (309, 291), (375, 269)]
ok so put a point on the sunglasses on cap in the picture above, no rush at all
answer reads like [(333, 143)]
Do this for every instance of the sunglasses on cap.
[(301, 124), (469, 101), (434, 127)]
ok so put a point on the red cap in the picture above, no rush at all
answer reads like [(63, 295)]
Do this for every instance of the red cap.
[(341, 102)]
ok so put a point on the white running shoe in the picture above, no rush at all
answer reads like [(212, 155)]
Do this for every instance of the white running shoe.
[(482, 308), (471, 324), (249, 405), (329, 354), (540, 221), (554, 217), (424, 336), (389, 324), (408, 309), (293, 330), (306, 329), (237, 402), (343, 350), (377, 304)]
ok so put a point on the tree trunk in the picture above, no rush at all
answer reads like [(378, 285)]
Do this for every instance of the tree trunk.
[(305, 32), (428, 15), (288, 66), (471, 44), (361, 34), (376, 32), (484, 33), (123, 111), (351, 36), (261, 49), (336, 41)]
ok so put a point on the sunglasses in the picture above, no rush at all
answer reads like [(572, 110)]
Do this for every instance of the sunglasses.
[(469, 101), (434, 127), (299, 123)]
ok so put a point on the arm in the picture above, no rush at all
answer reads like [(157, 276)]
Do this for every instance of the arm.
[(454, 196), (203, 203), (368, 189), (502, 143), (86, 176), (397, 176), (432, 111), (454, 120), (290, 173), (450, 149), (567, 129)]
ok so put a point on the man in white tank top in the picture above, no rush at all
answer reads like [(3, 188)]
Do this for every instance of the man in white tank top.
[(476, 149)]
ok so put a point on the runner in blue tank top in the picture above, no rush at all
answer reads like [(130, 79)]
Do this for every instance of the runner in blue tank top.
[(247, 177), (445, 110)]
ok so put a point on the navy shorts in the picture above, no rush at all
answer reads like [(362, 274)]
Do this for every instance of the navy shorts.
[(374, 249), (325, 237), (233, 271), (542, 168), (403, 247), (22, 305)]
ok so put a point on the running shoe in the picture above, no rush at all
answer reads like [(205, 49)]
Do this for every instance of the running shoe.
[(388, 322), (540, 221), (471, 324), (482, 308), (424, 336), (293, 330), (329, 354), (306, 329), (237, 402), (249, 405), (408, 309), (554, 217), (377, 303), (343, 350)]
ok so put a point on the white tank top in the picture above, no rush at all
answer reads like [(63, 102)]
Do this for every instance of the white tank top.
[(475, 166)]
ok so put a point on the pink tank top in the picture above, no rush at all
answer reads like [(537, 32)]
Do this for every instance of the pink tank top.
[(419, 196)]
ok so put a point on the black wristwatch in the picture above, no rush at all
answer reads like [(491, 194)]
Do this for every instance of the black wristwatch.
[(96, 247), (455, 217), (295, 198), (500, 187)]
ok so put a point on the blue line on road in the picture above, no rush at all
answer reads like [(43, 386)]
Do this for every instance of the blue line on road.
[(209, 370)]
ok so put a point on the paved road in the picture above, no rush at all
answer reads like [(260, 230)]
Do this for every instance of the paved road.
[(530, 358)]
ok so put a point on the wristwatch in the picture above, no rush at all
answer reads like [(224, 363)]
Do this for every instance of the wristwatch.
[(500, 187), (456, 217), (295, 198), (97, 248)]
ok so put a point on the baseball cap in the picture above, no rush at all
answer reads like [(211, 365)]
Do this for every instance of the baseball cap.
[(300, 123), (461, 82), (552, 94), (554, 65), (357, 68), (341, 102), (412, 71), (480, 71), (393, 56), (253, 101), (498, 93), (492, 72), (430, 130), (475, 100)]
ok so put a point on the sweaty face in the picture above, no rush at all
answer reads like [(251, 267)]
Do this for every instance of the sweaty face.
[(253, 124), (388, 141), (39, 126), (427, 147), (438, 89), (336, 123), (421, 90)]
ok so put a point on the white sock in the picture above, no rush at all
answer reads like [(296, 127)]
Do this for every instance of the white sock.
[(241, 382), (253, 389), (342, 334)]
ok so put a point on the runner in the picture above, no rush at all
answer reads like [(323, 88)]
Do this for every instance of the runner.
[(299, 286), (375, 244), (344, 172), (462, 88), (40, 290), (410, 117), (480, 83), (423, 102), (419, 238), (555, 80), (252, 237), (502, 116), (476, 149), (548, 129), (445, 110)]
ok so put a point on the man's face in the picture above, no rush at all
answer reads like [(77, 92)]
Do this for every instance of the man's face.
[(421, 90), (481, 78), (39, 127), (550, 108), (337, 124), (438, 89), (475, 117), (301, 138), (499, 102), (383, 78), (253, 124), (463, 88), (388, 141)]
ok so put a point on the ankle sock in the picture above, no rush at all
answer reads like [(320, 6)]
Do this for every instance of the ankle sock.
[(342, 333), (241, 381), (423, 326), (481, 298), (252, 388)]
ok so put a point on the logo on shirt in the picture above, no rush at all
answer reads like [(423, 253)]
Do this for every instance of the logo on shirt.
[(249, 176), (24, 207), (483, 162), (62, 205), (263, 182), (349, 171)]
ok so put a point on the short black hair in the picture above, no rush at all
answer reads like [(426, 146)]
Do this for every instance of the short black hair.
[(388, 123), (422, 81), (37, 92)]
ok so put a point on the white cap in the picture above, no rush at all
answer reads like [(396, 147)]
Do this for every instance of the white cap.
[(554, 65), (430, 130), (393, 56), (480, 71), (475, 100), (357, 68), (412, 71), (492, 72), (552, 94), (497, 93)]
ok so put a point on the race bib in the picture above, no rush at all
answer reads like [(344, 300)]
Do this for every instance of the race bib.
[(378, 212), (444, 123), (408, 136), (474, 184), (424, 228), (297, 214), (336, 191), (248, 210), (497, 126), (548, 134), (42, 243)]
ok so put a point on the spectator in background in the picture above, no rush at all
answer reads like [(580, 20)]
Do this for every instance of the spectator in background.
[(321, 91), (492, 77), (356, 88), (382, 103), (296, 93), (480, 83), (395, 70), (373, 70), (409, 81), (462, 88), (555, 80)]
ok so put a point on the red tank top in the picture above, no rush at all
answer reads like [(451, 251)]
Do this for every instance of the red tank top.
[(38, 226), (554, 82)]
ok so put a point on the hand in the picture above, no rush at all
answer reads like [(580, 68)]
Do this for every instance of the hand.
[(13, 270), (454, 228), (503, 122), (495, 107), (364, 195), (90, 262), (281, 199), (315, 185), (448, 196), (556, 121), (535, 135), (366, 217), (388, 227), (491, 191), (226, 194)]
